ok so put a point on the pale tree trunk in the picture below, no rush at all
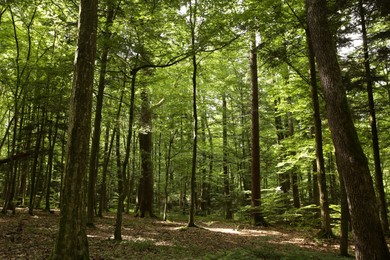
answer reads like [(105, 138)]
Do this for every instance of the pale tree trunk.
[(351, 162), (381, 200), (72, 240), (257, 216)]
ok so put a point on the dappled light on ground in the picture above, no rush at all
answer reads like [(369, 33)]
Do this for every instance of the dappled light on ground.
[(32, 237)]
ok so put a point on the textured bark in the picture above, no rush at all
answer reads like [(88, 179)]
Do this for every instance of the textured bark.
[(351, 162), (374, 130), (72, 240), (94, 158), (326, 230), (257, 217)]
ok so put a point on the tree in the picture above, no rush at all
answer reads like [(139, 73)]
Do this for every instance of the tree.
[(374, 130), (257, 217), (72, 240), (326, 230), (351, 161)]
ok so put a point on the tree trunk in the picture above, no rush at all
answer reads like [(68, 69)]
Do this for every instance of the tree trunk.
[(72, 240), (103, 189), (257, 216), (120, 177), (52, 144), (94, 159), (351, 162), (326, 230), (344, 219), (146, 146), (193, 20), (381, 196), (228, 199)]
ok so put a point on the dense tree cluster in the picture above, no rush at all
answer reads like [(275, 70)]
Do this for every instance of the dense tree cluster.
[(269, 111)]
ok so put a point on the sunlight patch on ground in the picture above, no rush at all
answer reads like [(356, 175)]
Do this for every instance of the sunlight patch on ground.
[(225, 230)]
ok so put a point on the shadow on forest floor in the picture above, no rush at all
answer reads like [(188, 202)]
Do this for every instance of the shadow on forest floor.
[(32, 237)]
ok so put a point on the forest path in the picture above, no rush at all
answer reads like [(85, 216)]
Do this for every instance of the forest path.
[(32, 237)]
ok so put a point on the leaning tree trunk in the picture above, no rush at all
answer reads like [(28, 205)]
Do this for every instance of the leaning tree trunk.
[(351, 162), (72, 240), (326, 229), (257, 216), (374, 131)]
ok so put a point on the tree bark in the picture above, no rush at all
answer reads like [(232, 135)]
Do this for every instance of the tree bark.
[(351, 162), (326, 229), (381, 196), (94, 158), (257, 216), (193, 20), (72, 240)]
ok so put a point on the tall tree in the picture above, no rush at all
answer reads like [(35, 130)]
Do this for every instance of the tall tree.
[(374, 130), (94, 158), (326, 229), (72, 240), (257, 216), (193, 20), (228, 199), (351, 162)]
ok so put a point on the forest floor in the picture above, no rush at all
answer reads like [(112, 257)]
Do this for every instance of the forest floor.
[(32, 237)]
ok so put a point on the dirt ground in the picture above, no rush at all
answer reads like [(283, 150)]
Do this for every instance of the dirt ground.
[(32, 237)]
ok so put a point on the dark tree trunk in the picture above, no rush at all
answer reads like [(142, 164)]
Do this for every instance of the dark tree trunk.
[(193, 20), (72, 240), (120, 177), (146, 146), (106, 158), (228, 199), (257, 216), (351, 162), (294, 175), (167, 171), (381, 196), (94, 158), (326, 230), (344, 219), (52, 144)]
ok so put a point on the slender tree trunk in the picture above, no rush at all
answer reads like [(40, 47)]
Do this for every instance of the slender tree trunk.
[(193, 20), (94, 158), (72, 240), (257, 216), (228, 199), (120, 176), (381, 196), (34, 179), (351, 162), (52, 144), (344, 219), (326, 230), (106, 159), (167, 171)]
